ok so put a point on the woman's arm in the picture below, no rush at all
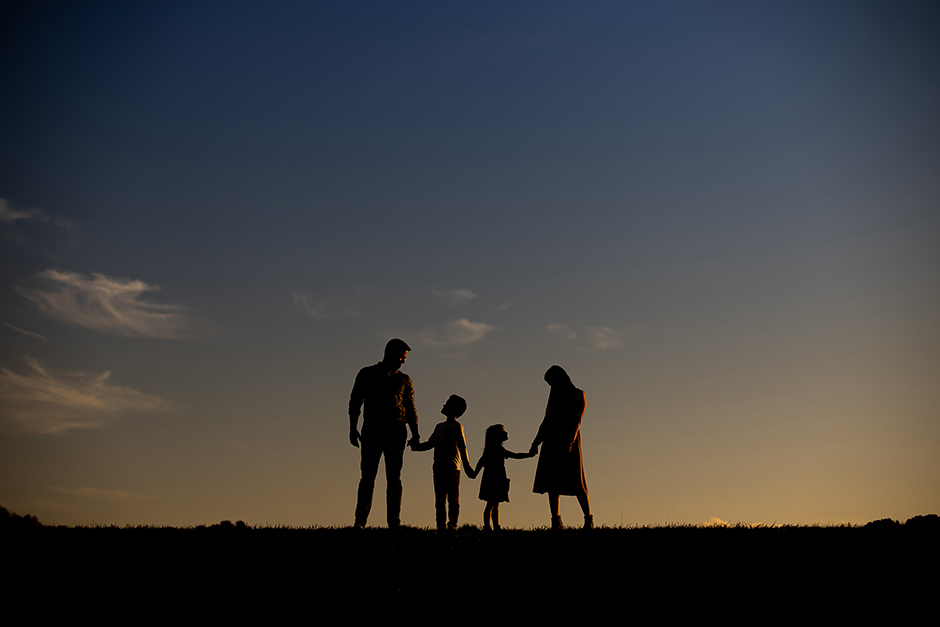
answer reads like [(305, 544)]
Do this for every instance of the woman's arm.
[(540, 436), (577, 409)]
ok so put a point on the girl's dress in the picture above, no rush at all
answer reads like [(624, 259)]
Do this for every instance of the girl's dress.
[(494, 486)]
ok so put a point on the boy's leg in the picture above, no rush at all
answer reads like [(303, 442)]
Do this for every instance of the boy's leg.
[(440, 498), (453, 498)]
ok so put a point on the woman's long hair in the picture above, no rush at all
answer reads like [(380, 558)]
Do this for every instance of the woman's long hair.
[(556, 375)]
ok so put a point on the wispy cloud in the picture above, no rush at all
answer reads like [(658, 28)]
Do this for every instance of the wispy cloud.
[(561, 330), (601, 338), (43, 402), (456, 333), (605, 337), (328, 307), (9, 214), (455, 296), (107, 304), (19, 225), (35, 336)]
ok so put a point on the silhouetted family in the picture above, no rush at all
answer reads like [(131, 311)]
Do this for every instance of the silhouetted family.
[(386, 397)]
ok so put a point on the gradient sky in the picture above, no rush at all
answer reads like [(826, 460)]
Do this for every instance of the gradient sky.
[(721, 218)]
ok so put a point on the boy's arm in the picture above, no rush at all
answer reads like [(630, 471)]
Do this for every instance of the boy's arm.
[(423, 446), (479, 468), (462, 448)]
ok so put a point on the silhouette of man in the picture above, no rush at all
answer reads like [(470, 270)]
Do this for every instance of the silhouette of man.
[(389, 400)]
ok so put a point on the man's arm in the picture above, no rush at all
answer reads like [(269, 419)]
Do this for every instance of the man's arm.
[(411, 414), (356, 398)]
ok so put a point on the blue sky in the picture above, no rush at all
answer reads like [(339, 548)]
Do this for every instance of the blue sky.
[(721, 218)]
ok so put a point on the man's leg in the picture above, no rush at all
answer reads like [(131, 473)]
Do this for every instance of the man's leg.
[(369, 465), (394, 457)]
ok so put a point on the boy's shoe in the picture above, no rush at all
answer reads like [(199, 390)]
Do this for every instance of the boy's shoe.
[(556, 523)]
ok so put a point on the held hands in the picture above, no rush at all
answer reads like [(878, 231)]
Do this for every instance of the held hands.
[(415, 440), (533, 450)]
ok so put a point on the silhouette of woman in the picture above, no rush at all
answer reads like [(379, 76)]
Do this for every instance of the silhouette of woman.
[(560, 469)]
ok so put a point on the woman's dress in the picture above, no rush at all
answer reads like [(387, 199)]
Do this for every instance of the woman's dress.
[(560, 469)]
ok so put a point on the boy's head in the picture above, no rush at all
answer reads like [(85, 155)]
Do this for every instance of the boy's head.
[(454, 407)]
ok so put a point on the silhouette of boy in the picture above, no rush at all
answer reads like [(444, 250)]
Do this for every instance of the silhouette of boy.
[(450, 446)]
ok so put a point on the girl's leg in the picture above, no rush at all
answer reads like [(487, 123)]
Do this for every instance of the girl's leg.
[(495, 507), (486, 515)]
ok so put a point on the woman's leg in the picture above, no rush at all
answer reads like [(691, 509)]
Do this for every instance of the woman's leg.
[(585, 504), (553, 506), (586, 508)]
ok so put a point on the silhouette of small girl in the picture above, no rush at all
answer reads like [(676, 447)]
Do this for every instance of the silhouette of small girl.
[(494, 487)]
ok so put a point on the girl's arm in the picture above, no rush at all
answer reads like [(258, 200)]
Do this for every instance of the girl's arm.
[(510, 454)]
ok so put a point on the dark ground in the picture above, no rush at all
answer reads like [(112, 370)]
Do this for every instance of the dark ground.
[(416, 576)]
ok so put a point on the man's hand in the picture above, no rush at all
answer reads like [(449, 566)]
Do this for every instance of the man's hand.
[(354, 437)]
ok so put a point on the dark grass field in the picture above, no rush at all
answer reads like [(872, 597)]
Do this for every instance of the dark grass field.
[(882, 571)]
